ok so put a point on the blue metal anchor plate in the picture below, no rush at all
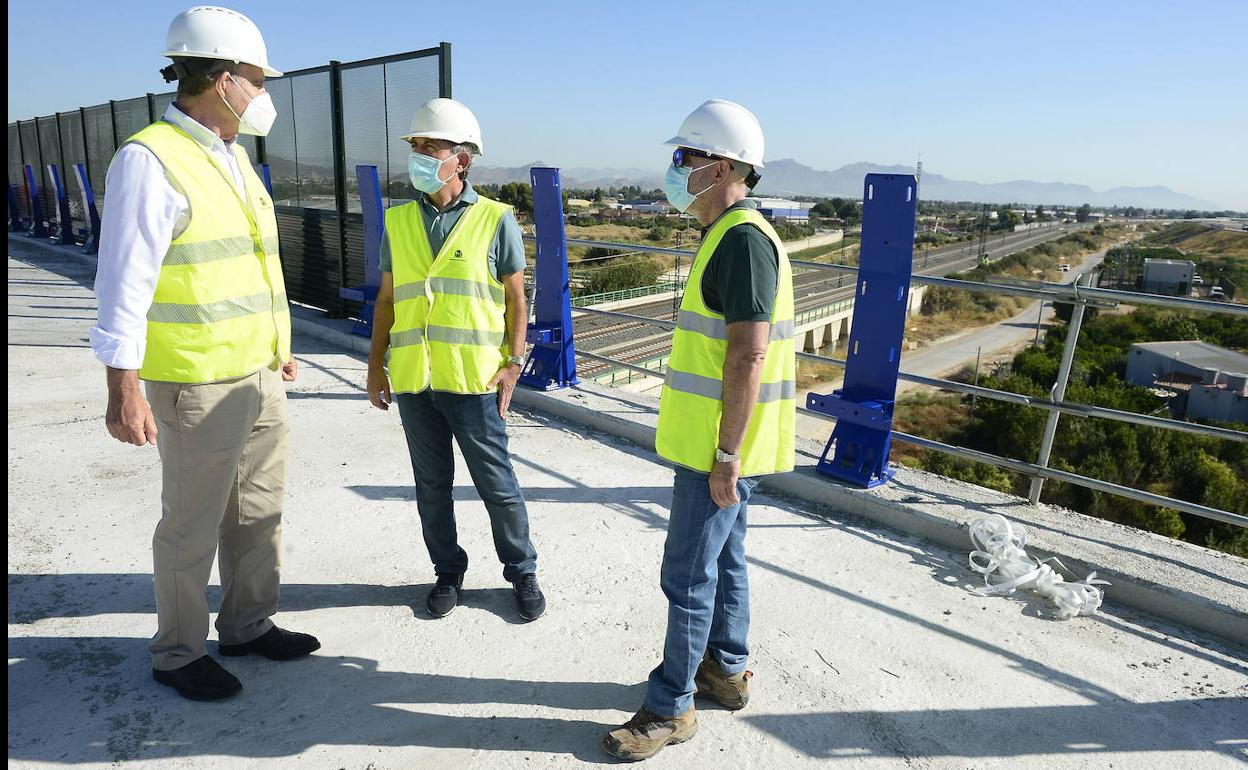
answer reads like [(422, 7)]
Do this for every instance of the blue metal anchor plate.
[(862, 437), (552, 361)]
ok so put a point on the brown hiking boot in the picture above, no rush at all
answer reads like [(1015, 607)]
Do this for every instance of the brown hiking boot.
[(731, 692), (647, 733)]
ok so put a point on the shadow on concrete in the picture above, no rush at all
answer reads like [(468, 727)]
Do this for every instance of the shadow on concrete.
[(33, 598), (99, 693), (1092, 729), (323, 396), (68, 265), (49, 317), (578, 494)]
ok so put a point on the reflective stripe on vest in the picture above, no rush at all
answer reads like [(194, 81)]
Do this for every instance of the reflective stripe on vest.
[(220, 309), (450, 312), (691, 404)]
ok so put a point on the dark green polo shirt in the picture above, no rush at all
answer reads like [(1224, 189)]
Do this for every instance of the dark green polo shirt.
[(741, 277)]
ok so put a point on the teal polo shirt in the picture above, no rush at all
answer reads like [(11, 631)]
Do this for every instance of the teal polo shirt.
[(506, 254)]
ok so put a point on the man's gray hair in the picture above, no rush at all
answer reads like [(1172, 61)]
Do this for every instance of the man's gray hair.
[(747, 173)]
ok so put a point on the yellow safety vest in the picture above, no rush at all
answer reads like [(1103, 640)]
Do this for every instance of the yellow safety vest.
[(220, 308), (691, 404), (450, 312)]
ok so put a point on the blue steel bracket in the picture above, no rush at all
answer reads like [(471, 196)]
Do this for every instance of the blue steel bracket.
[(15, 214), (862, 437), (64, 223), (266, 176), (92, 243), (374, 227), (552, 361), (37, 227)]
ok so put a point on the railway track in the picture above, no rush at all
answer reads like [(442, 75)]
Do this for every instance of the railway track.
[(638, 343)]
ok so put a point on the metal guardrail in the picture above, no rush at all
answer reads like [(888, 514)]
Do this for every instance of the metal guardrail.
[(1080, 296), (623, 294)]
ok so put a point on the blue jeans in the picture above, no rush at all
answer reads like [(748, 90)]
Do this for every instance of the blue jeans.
[(430, 420), (708, 592)]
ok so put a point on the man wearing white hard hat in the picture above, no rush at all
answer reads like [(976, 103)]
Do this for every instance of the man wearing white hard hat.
[(451, 312), (192, 302), (726, 418)]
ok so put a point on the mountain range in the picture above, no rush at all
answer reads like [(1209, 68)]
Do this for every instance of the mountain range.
[(789, 177)]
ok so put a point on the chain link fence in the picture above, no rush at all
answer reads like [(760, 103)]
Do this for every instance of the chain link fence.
[(330, 119)]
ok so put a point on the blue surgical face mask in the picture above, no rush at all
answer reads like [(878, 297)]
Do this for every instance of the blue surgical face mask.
[(424, 172), (676, 186)]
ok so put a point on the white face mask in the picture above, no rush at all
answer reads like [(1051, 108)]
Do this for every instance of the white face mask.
[(258, 115)]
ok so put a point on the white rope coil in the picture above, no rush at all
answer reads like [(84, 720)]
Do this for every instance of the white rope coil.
[(1006, 567)]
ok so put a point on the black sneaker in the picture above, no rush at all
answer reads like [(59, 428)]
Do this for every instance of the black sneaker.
[(201, 679), (274, 644), (529, 599), (445, 595)]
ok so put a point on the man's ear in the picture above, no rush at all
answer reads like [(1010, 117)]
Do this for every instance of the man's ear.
[(221, 82)]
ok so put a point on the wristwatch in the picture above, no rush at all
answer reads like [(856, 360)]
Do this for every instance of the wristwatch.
[(723, 457), (517, 360)]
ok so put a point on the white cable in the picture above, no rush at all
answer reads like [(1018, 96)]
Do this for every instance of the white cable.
[(1006, 567)]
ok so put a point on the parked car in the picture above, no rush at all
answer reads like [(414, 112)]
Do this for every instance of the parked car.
[(1197, 280), (1063, 268), (1217, 293)]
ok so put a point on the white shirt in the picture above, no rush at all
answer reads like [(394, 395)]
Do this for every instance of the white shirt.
[(143, 213)]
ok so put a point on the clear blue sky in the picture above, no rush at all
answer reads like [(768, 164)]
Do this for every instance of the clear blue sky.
[(1096, 93)]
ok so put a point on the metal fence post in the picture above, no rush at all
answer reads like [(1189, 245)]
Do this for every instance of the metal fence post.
[(863, 408), (552, 361), (86, 150), (444, 70), (92, 244), (1058, 392), (151, 107), (112, 122), (33, 189), (21, 158), (37, 228), (338, 133)]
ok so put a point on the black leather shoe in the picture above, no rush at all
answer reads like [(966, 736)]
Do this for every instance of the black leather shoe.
[(529, 599), (445, 595), (201, 679), (274, 644)]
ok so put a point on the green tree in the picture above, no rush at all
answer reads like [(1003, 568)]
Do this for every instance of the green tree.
[(1006, 218), (1082, 213), (823, 209), (624, 273), (519, 195)]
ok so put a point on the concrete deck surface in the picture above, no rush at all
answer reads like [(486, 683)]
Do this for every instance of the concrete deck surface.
[(869, 648)]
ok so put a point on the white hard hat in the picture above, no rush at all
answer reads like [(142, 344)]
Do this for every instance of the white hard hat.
[(725, 129), (446, 119), (211, 32)]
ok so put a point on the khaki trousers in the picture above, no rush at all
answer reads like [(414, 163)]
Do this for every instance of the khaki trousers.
[(223, 457)]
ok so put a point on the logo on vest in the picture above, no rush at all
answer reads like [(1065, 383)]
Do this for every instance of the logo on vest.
[(458, 255)]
